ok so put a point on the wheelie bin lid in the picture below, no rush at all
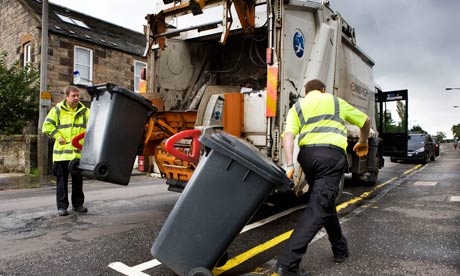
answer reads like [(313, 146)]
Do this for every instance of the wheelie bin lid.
[(95, 90), (247, 155)]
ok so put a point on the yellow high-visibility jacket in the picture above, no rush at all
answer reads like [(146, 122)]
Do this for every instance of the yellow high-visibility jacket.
[(62, 121), (319, 118)]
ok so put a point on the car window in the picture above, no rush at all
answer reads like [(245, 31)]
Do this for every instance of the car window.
[(416, 140)]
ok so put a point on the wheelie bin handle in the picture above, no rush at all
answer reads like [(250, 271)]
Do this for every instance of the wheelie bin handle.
[(191, 133), (76, 140)]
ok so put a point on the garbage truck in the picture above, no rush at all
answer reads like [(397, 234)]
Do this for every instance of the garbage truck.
[(239, 65)]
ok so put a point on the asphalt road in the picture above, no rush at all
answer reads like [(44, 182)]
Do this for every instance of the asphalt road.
[(409, 224)]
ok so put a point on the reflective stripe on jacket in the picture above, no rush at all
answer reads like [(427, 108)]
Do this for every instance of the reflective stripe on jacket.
[(319, 118), (64, 122)]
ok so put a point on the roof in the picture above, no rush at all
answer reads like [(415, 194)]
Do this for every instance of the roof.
[(70, 23)]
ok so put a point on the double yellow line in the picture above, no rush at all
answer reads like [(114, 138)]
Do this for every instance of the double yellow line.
[(243, 257)]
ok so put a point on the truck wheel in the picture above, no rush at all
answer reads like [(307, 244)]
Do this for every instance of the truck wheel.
[(372, 179), (199, 271), (367, 179)]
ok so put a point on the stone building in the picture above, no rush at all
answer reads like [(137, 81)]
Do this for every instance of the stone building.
[(99, 51)]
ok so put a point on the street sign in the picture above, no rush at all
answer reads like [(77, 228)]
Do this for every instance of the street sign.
[(45, 98)]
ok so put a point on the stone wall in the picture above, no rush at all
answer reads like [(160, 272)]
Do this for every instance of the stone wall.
[(109, 65), (18, 153), (18, 27)]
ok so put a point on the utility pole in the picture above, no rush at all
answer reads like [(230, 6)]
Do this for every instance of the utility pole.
[(45, 97)]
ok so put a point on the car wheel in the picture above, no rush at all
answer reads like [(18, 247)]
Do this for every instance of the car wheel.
[(394, 160)]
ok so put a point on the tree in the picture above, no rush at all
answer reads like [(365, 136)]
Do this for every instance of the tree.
[(19, 88), (440, 136), (401, 110), (416, 128), (456, 130), (389, 125)]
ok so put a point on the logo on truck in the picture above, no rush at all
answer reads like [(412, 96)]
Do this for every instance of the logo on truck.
[(299, 44), (359, 90)]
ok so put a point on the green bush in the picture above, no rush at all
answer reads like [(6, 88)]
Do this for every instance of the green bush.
[(19, 90), (33, 171)]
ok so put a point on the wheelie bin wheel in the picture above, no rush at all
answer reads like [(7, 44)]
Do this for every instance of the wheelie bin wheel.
[(73, 166), (101, 170), (200, 271)]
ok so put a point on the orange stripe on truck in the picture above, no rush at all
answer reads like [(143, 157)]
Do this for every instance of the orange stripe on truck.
[(272, 87)]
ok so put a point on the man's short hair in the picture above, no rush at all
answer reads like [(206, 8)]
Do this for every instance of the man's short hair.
[(314, 85), (70, 88)]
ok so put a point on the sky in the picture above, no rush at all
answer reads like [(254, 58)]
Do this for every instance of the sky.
[(414, 43)]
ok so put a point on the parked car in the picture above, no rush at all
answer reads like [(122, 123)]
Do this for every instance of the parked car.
[(437, 146), (420, 148)]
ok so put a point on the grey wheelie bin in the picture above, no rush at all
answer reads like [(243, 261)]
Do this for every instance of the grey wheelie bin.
[(229, 184), (114, 133)]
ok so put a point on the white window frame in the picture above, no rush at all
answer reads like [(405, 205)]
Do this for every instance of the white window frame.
[(138, 74), (83, 81), (27, 53)]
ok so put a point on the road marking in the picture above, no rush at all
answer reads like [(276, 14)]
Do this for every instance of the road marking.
[(454, 198), (243, 257), (271, 218), (411, 170), (127, 270), (137, 270), (425, 183)]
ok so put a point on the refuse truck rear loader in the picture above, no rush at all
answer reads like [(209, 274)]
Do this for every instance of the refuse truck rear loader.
[(240, 65)]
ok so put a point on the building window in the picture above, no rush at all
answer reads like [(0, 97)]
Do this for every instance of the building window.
[(83, 66), (27, 53), (73, 21), (138, 83)]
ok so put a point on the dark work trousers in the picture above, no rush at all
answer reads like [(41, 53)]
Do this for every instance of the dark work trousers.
[(323, 167), (61, 171)]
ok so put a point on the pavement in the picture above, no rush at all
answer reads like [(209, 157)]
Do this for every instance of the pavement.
[(10, 181)]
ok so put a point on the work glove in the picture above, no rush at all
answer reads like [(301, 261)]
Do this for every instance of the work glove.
[(288, 186), (290, 171), (299, 187), (361, 149)]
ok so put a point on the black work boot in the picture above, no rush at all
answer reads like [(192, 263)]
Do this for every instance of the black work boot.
[(341, 259), (63, 212), (80, 209)]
